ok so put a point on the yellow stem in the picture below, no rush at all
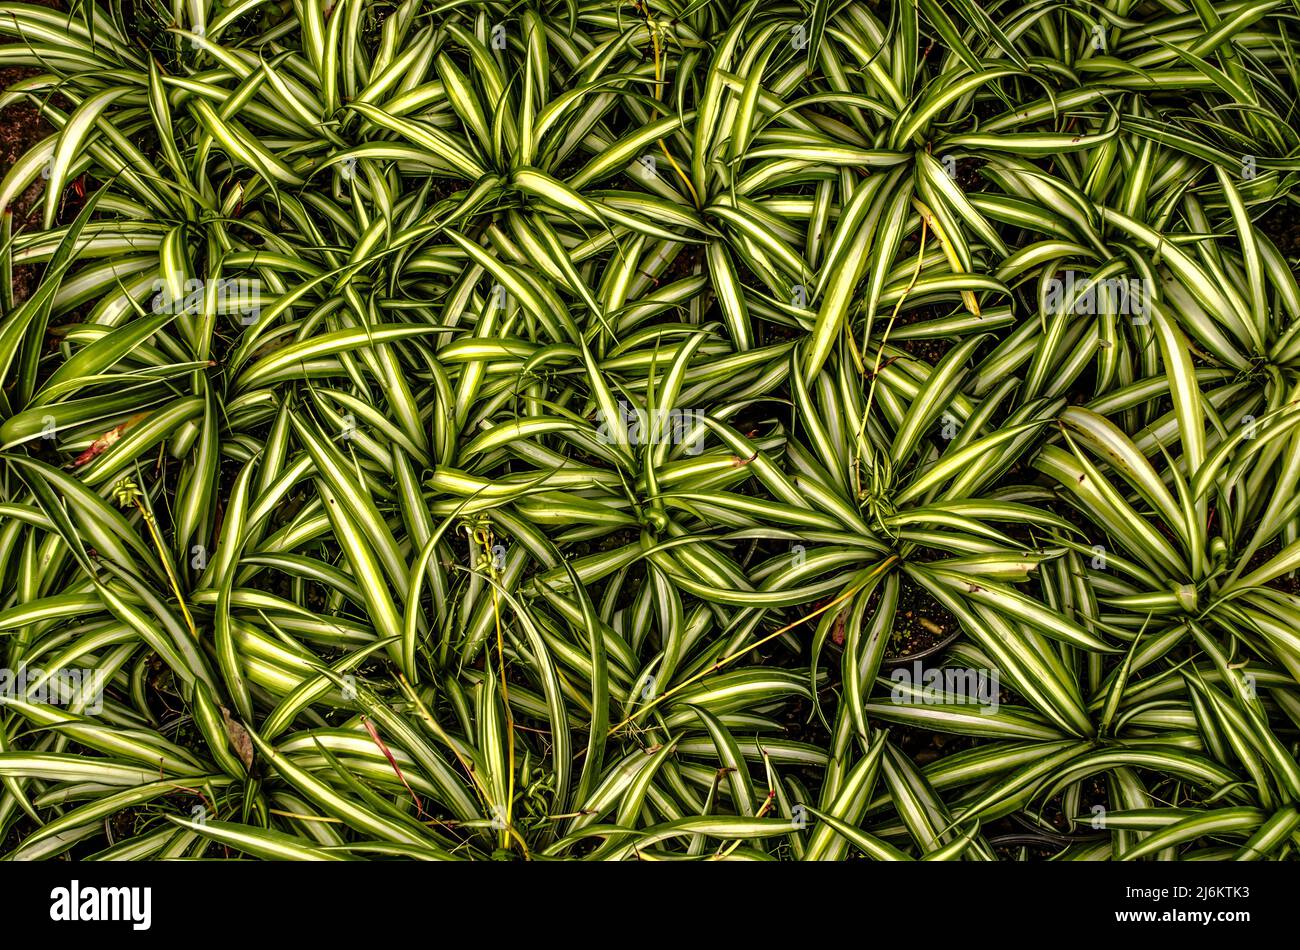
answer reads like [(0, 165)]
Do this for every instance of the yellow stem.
[(875, 370), (167, 566), (485, 539), (753, 646), (659, 79), (967, 297)]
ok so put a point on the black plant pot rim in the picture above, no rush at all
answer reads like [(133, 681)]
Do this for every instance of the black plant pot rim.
[(1029, 840), (1059, 837), (932, 650)]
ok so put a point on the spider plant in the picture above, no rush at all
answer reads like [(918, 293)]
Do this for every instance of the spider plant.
[(534, 432)]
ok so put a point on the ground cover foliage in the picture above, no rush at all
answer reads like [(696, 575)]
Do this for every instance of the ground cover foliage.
[(799, 431)]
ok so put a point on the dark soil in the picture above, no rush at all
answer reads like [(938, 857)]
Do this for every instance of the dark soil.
[(1287, 583), (1282, 225), (21, 127), (920, 622)]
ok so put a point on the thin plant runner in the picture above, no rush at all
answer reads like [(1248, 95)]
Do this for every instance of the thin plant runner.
[(526, 432)]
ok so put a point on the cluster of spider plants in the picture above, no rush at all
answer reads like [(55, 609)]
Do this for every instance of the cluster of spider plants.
[(675, 429)]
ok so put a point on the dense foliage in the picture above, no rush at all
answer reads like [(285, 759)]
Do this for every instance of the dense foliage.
[(797, 430)]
